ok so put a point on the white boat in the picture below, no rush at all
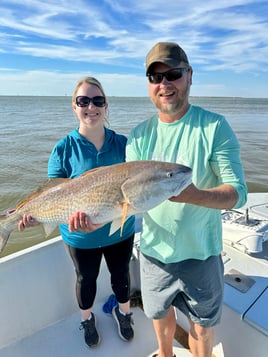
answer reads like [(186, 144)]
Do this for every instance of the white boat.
[(39, 315)]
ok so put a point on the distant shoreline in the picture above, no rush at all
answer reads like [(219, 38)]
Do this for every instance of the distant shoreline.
[(139, 97)]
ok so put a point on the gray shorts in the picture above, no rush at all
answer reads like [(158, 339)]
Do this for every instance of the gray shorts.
[(194, 286)]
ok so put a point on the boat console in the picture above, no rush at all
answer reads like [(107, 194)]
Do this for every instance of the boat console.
[(244, 230), (245, 257)]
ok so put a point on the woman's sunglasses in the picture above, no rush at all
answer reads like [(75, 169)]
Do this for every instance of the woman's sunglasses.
[(170, 75), (84, 101)]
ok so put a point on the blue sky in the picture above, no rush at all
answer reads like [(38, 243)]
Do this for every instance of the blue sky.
[(46, 46)]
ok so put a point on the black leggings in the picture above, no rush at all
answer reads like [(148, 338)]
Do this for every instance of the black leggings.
[(87, 266)]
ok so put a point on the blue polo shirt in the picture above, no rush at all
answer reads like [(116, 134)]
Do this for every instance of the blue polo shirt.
[(71, 157)]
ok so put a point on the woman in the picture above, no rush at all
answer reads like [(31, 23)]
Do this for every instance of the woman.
[(89, 146)]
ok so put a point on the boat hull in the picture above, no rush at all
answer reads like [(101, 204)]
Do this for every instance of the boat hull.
[(39, 313)]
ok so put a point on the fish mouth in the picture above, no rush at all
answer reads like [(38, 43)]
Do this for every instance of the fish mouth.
[(186, 181)]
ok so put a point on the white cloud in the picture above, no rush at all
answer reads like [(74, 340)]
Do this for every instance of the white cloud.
[(56, 36), (58, 83)]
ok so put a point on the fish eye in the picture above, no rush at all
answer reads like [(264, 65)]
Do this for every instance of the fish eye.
[(170, 174)]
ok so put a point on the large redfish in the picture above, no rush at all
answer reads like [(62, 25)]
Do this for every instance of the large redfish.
[(106, 194)]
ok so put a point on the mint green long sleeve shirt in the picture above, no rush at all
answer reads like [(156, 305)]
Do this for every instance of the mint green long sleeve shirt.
[(205, 142)]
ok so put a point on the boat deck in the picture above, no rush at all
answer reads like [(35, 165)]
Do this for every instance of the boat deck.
[(40, 317), (39, 314), (64, 339)]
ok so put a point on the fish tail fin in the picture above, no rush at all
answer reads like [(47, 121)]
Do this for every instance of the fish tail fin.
[(7, 224)]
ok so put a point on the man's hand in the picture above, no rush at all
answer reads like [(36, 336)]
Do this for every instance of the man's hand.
[(188, 195), (220, 197)]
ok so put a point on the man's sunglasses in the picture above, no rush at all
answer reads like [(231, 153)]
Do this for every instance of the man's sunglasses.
[(170, 75), (83, 101)]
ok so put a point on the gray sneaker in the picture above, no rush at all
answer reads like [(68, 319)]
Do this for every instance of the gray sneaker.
[(124, 323), (92, 337)]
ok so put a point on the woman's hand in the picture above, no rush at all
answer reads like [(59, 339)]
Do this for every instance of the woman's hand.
[(26, 222), (82, 223), (77, 222)]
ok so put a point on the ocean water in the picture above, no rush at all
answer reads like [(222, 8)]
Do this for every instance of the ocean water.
[(30, 126)]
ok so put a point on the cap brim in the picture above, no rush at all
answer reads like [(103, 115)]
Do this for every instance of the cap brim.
[(169, 62)]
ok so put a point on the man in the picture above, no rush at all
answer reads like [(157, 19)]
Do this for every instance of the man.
[(181, 238)]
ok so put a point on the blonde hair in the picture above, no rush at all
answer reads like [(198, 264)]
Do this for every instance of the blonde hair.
[(92, 81)]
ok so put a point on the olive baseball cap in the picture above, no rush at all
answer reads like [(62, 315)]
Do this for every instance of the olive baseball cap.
[(169, 53)]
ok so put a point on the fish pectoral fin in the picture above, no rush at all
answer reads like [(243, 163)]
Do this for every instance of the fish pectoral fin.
[(116, 224), (49, 228), (124, 216), (119, 223)]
